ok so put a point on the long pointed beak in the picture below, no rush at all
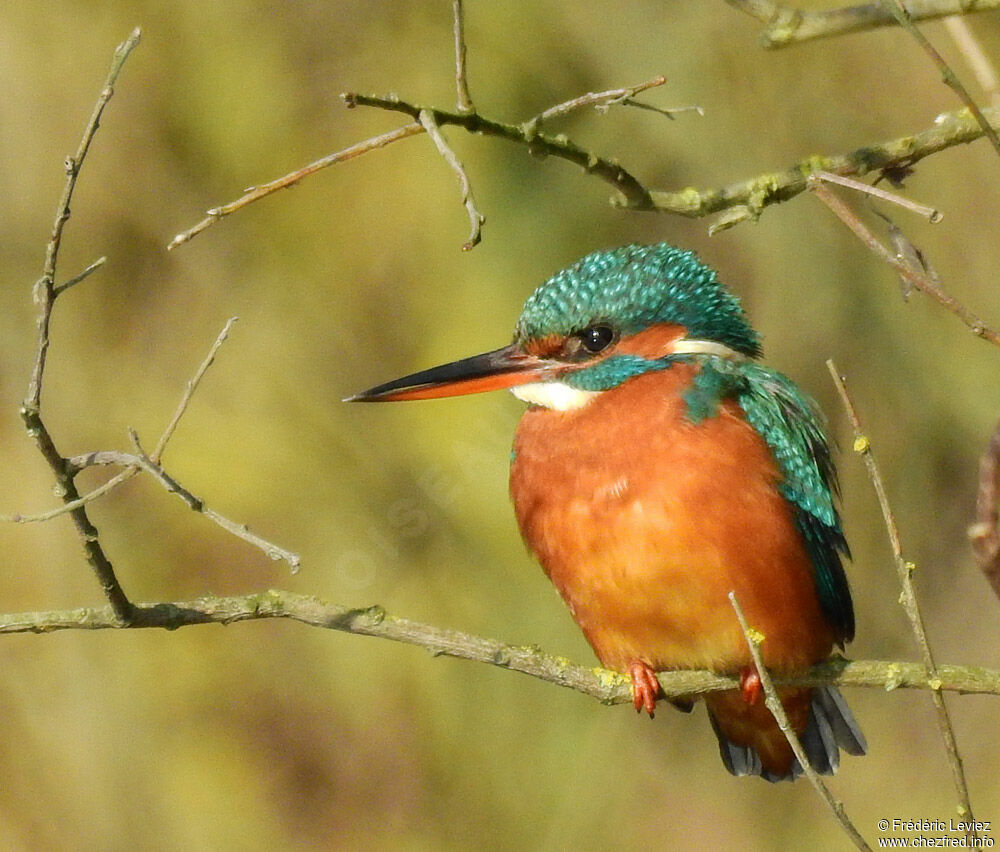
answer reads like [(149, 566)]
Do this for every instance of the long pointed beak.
[(502, 368)]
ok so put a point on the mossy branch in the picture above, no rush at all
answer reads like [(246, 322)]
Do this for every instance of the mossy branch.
[(788, 25)]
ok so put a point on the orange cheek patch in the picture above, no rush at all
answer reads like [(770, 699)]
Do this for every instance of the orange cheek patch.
[(653, 342)]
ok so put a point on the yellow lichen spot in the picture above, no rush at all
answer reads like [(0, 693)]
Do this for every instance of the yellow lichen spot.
[(861, 444), (935, 683), (893, 677)]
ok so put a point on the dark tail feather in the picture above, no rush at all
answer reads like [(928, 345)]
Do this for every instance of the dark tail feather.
[(831, 727)]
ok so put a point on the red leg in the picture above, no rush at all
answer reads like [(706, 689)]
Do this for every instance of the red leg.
[(750, 685), (645, 687)]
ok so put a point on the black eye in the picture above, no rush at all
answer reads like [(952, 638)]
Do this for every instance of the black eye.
[(597, 338)]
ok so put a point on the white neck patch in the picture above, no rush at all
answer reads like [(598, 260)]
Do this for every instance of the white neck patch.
[(559, 396), (554, 395)]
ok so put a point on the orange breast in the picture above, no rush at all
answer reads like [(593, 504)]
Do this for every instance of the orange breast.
[(645, 521)]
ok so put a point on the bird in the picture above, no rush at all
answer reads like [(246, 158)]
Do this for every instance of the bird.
[(660, 466)]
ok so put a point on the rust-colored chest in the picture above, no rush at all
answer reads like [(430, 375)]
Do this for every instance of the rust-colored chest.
[(644, 521)]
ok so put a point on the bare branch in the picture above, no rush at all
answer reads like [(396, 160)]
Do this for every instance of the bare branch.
[(777, 709), (196, 504), (611, 97), (633, 194), (464, 100), (45, 294), (90, 270), (476, 218), (907, 598), (914, 275), (255, 193), (933, 216), (787, 25)]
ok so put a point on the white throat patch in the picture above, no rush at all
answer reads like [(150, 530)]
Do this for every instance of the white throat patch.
[(555, 395)]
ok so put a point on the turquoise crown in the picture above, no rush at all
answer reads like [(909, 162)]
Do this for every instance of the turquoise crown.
[(634, 287)]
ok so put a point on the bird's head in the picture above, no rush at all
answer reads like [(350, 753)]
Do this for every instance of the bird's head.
[(609, 317)]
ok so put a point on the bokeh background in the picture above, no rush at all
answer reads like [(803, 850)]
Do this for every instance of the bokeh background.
[(275, 735)]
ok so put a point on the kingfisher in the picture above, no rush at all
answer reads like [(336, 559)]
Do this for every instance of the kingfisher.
[(660, 466)]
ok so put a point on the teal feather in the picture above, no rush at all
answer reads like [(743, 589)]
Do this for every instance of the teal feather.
[(632, 288)]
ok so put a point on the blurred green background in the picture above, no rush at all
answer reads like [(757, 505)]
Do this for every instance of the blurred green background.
[(274, 735)]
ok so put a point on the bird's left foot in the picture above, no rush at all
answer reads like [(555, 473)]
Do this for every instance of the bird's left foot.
[(750, 685), (645, 687)]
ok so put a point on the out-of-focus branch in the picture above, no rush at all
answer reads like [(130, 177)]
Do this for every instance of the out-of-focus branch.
[(787, 25), (983, 534), (948, 75)]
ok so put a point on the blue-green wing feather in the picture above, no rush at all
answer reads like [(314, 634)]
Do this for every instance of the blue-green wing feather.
[(792, 427)]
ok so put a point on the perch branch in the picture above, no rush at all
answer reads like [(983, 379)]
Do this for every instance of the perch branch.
[(773, 703), (908, 597), (606, 686), (787, 25)]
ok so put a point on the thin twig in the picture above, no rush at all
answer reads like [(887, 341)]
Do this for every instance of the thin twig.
[(90, 270), (190, 388), (773, 703), (913, 275), (948, 76), (72, 466), (622, 96), (196, 504), (464, 100), (45, 291), (476, 219), (932, 215), (787, 25), (255, 193), (983, 534), (908, 598)]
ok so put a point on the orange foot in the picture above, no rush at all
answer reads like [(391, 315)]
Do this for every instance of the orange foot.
[(750, 685), (645, 687)]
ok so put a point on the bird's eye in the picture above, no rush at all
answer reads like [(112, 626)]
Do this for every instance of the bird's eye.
[(597, 338)]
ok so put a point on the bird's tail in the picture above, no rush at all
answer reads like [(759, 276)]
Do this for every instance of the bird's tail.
[(751, 743)]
